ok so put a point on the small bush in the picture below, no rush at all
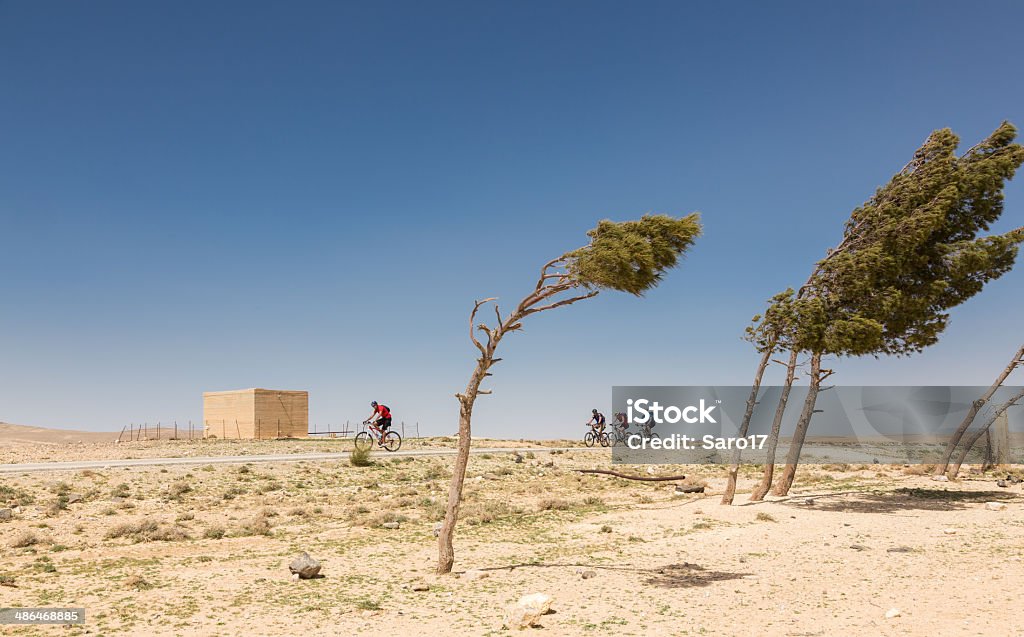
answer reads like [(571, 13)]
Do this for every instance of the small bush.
[(256, 525), (214, 532), (553, 504), (25, 539), (138, 582), (147, 530), (17, 497), (185, 517), (765, 517), (360, 457), (178, 489)]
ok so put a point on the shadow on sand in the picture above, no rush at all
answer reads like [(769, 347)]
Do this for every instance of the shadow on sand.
[(685, 575), (903, 499)]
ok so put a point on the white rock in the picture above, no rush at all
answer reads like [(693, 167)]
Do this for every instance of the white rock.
[(949, 531), (941, 478), (892, 612), (528, 610), (995, 506)]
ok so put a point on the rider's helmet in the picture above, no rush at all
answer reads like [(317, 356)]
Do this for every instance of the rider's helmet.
[(373, 403), (593, 411)]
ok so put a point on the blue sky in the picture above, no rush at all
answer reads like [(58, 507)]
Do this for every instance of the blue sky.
[(204, 196)]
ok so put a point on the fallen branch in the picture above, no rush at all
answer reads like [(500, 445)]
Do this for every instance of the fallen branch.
[(628, 477)]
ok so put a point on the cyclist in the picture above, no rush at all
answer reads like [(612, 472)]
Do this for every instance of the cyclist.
[(381, 415), (596, 421), (620, 424)]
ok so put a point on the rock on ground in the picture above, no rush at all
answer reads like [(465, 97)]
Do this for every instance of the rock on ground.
[(528, 610), (304, 566)]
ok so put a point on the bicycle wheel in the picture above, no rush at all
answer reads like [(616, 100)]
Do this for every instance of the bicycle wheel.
[(589, 438), (363, 440), (605, 440), (392, 441)]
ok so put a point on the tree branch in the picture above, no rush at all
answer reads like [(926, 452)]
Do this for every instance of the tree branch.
[(629, 477), (472, 323), (551, 306)]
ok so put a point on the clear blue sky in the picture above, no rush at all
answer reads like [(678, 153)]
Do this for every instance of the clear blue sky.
[(204, 196)]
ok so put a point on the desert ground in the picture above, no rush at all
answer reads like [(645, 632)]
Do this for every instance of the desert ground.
[(204, 549)]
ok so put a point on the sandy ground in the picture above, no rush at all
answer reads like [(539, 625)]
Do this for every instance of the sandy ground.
[(854, 542), (20, 444)]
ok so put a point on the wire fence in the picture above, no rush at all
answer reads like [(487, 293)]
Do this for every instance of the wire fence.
[(258, 429)]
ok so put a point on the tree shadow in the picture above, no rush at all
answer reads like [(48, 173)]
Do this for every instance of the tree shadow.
[(685, 575), (903, 499)]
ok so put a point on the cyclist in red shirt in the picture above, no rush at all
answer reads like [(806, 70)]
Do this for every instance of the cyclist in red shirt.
[(381, 415)]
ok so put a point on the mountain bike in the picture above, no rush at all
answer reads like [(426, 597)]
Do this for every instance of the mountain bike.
[(389, 440), (619, 435), (593, 436)]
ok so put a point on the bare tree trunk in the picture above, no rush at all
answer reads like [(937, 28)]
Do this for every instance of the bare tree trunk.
[(943, 465), (772, 443), (734, 468), (802, 425), (445, 545), (976, 435), (550, 284)]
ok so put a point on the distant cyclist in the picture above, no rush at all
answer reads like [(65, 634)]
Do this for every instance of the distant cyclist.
[(596, 421), (381, 415), (620, 422)]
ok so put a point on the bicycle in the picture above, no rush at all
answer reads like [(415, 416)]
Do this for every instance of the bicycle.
[(593, 436), (389, 440), (646, 433), (619, 435)]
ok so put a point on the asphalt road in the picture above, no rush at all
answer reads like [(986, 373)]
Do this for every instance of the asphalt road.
[(78, 465)]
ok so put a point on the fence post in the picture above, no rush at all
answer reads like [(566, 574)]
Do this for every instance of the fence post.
[(279, 428)]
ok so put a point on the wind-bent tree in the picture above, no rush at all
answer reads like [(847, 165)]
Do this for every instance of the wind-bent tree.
[(630, 256), (970, 440), (768, 334), (907, 256), (954, 440)]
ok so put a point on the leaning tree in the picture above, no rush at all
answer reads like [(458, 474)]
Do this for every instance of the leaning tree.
[(630, 256), (972, 413), (908, 255)]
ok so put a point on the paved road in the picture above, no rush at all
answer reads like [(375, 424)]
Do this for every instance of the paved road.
[(78, 465)]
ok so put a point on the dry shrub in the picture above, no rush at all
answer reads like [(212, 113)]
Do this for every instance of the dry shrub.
[(15, 496), (487, 512), (147, 530), (361, 457), (178, 489), (214, 532), (918, 469), (138, 582), (24, 539), (256, 525), (554, 504)]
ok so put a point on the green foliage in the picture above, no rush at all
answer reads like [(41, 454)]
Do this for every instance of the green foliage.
[(632, 256), (908, 255)]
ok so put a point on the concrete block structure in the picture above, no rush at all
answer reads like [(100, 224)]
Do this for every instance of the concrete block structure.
[(255, 414)]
